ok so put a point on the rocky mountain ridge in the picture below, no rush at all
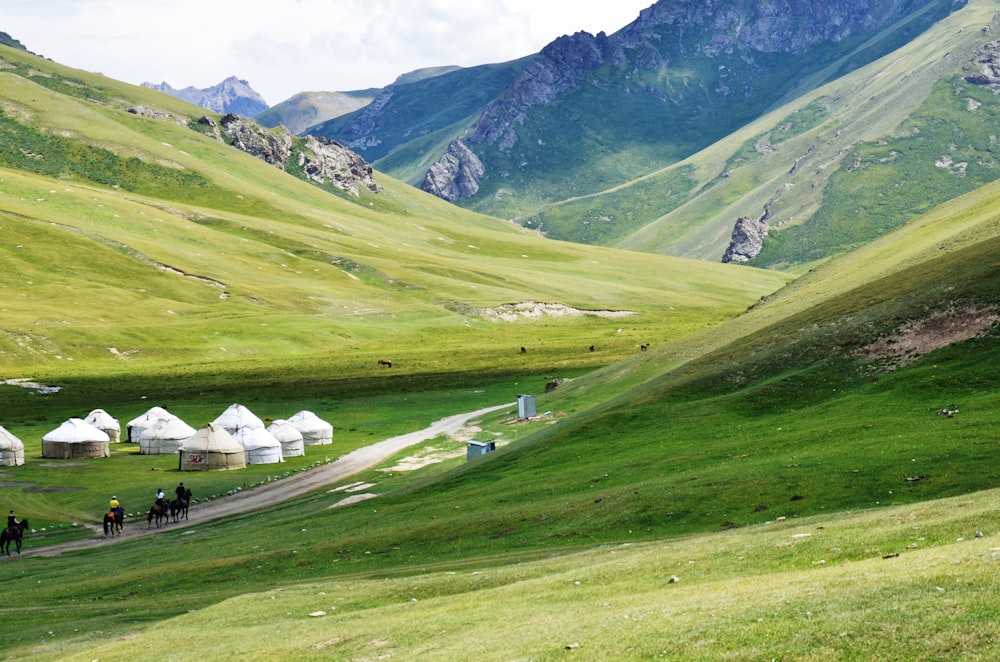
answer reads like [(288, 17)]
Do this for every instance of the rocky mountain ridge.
[(232, 95)]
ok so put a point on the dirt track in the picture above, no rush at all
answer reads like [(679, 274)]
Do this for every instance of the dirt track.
[(282, 490)]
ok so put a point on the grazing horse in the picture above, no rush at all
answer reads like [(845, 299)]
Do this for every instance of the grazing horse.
[(13, 534), (387, 364), (159, 513), (113, 522), (179, 507)]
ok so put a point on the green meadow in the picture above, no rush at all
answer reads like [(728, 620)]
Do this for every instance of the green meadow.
[(769, 480)]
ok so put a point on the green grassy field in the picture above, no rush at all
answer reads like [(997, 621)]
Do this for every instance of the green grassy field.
[(769, 480)]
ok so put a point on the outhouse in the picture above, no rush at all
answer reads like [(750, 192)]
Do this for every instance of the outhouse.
[(476, 449), (526, 406)]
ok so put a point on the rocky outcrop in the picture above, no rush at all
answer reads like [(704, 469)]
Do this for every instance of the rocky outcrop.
[(322, 161), (987, 65), (273, 146), (747, 240), (456, 175), (326, 161), (232, 95)]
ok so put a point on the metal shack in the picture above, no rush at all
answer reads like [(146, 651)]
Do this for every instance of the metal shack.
[(476, 449), (526, 406)]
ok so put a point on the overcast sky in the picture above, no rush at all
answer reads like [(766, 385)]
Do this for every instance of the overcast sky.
[(286, 46)]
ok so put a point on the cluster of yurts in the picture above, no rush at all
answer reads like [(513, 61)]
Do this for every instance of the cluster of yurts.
[(236, 438)]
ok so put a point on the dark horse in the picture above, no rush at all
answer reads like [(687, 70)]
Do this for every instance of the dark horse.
[(113, 521), (387, 364), (179, 506), (159, 513), (13, 534)]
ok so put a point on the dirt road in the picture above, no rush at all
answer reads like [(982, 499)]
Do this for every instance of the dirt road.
[(284, 489)]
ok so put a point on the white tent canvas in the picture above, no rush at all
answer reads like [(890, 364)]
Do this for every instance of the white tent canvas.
[(140, 423), (315, 431), (11, 449), (211, 449), (237, 416), (102, 420), (289, 438), (75, 438), (166, 435), (260, 445)]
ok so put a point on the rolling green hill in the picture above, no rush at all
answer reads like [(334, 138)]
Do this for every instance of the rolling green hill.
[(771, 479)]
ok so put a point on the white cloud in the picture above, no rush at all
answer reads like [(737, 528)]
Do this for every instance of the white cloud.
[(284, 47)]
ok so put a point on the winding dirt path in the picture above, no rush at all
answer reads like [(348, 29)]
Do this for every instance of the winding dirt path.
[(284, 489)]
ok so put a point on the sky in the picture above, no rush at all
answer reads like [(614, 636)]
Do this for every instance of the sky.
[(282, 47)]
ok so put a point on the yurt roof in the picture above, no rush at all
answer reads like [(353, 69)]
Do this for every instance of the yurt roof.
[(306, 421), (154, 414), (76, 430), (255, 438), (103, 420), (238, 416), (212, 438), (8, 441), (168, 428), (284, 431)]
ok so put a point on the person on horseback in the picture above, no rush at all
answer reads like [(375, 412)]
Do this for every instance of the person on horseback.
[(11, 521), (161, 498), (116, 507), (181, 492)]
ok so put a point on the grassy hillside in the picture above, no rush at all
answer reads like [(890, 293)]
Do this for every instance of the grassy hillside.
[(146, 242), (770, 479), (793, 454)]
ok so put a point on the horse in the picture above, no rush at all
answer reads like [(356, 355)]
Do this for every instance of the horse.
[(387, 364), (179, 507), (158, 512), (13, 534), (113, 522)]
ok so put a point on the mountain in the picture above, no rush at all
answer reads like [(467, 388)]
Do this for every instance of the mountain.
[(306, 109), (232, 95), (593, 113)]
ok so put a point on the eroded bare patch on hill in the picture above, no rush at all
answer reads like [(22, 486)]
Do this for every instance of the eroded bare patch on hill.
[(917, 338), (528, 310)]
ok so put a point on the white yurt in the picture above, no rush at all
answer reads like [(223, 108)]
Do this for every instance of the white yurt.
[(211, 449), (237, 416), (11, 449), (102, 420), (315, 431), (135, 427), (289, 438), (75, 438), (166, 435), (260, 445)]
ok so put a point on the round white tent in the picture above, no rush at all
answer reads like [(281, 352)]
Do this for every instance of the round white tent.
[(289, 438), (75, 438), (211, 449), (140, 423), (260, 445), (315, 431), (102, 420), (11, 449), (166, 435), (237, 416)]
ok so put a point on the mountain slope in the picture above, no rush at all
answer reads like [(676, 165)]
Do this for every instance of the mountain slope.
[(593, 112), (180, 237)]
